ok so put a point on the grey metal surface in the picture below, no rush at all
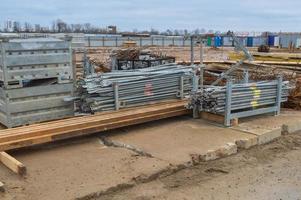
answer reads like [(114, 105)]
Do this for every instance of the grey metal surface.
[(29, 105), (242, 100), (31, 59), (123, 89)]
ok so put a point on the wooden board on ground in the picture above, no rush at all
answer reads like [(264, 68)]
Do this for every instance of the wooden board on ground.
[(13, 164), (78, 126)]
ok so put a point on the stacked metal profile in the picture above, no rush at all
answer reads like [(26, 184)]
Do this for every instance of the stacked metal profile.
[(123, 89), (35, 77), (243, 96)]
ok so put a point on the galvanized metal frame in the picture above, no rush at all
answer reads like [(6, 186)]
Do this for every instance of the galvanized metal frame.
[(21, 106), (228, 115), (31, 60)]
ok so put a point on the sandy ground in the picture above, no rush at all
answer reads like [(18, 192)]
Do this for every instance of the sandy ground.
[(155, 161), (269, 172)]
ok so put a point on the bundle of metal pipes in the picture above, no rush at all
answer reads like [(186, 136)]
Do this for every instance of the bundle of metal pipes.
[(122, 89), (245, 96)]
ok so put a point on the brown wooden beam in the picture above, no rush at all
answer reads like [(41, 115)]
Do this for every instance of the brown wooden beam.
[(12, 163)]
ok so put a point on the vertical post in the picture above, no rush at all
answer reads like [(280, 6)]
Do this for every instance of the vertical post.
[(163, 42), (173, 41), (116, 95), (152, 40), (89, 41), (140, 42), (116, 41), (246, 75), (227, 121), (195, 87), (103, 41), (202, 53), (279, 94), (191, 50), (182, 87), (202, 68)]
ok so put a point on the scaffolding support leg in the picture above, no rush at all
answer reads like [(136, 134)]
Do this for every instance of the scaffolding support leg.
[(228, 103)]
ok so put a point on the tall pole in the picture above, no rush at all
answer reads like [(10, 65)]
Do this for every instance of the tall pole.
[(191, 50), (202, 53)]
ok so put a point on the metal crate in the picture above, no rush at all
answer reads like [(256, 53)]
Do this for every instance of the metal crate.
[(22, 106), (31, 59)]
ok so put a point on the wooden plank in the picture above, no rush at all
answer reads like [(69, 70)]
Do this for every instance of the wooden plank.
[(26, 142), (217, 118), (2, 189), (78, 122), (13, 164), (78, 126)]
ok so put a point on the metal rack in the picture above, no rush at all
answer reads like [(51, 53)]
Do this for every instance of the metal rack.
[(22, 60)]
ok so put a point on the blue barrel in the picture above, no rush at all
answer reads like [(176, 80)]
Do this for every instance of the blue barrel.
[(271, 40), (249, 41)]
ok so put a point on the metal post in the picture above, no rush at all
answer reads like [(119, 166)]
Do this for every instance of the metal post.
[(227, 116), (163, 42), (246, 75), (182, 87), (202, 53), (116, 41), (103, 41), (116, 95), (279, 94), (191, 50), (202, 68), (140, 42)]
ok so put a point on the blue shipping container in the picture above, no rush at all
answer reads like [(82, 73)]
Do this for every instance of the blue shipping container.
[(271, 40), (249, 41)]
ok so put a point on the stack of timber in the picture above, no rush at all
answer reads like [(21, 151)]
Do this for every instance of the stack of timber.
[(15, 138)]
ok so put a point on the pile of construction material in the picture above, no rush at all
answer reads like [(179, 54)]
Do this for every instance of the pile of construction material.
[(35, 77), (137, 58), (116, 90), (244, 97)]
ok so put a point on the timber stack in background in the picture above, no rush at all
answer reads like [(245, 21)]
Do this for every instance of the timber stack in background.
[(36, 76)]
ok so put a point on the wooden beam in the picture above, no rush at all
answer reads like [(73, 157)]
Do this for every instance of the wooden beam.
[(217, 118), (2, 189), (13, 164), (79, 126)]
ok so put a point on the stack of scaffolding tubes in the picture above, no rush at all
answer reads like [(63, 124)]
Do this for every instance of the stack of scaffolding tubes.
[(122, 89), (244, 96)]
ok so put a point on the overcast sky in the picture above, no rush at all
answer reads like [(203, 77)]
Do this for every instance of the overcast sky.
[(223, 15)]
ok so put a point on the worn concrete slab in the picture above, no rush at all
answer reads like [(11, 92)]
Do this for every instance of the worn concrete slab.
[(177, 140), (76, 170), (268, 127)]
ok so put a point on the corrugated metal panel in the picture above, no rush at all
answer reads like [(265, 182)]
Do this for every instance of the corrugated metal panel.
[(287, 39), (257, 41), (277, 41), (227, 41), (271, 40), (249, 41)]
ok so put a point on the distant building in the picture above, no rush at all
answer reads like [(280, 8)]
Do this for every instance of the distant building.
[(112, 29)]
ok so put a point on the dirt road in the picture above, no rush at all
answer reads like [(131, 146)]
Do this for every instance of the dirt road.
[(269, 172)]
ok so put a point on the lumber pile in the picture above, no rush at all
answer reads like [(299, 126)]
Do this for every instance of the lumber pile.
[(78, 126)]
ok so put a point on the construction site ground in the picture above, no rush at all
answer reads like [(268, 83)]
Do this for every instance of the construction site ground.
[(165, 160)]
